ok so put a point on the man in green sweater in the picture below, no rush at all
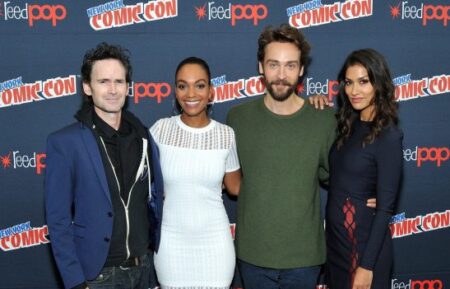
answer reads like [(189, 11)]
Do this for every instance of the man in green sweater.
[(283, 145)]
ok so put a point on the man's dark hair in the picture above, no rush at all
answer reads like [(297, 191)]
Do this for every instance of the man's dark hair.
[(287, 34), (101, 52)]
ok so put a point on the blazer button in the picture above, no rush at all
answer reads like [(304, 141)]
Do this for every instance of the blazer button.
[(106, 239), (110, 214)]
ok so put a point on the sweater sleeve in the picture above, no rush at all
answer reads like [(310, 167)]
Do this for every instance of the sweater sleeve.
[(324, 168), (389, 158)]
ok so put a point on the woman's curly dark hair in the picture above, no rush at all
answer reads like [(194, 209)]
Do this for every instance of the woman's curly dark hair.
[(385, 104)]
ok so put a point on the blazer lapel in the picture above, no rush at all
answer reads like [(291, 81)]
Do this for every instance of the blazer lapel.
[(94, 153)]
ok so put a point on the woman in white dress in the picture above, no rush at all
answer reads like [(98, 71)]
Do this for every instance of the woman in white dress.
[(198, 155)]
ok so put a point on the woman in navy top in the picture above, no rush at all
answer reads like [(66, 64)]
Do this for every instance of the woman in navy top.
[(365, 162)]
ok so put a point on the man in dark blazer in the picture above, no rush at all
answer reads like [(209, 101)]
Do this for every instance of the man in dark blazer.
[(103, 184)]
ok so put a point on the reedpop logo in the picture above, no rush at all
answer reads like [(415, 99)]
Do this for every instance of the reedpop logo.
[(424, 12), (417, 284), (232, 12), (155, 90), (33, 13), (420, 155), (16, 160)]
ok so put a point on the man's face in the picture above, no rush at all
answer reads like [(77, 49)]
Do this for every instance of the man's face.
[(108, 87), (281, 69)]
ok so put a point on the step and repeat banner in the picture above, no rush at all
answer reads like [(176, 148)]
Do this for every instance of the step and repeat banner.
[(41, 50)]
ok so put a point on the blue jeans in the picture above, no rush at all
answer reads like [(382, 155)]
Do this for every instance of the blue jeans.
[(117, 277), (254, 277)]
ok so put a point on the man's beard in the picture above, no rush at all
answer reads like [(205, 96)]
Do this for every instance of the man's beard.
[(280, 96)]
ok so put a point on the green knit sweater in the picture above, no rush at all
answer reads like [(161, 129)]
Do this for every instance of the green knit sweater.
[(283, 158)]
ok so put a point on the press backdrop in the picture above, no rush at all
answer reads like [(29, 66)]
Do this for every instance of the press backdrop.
[(43, 42)]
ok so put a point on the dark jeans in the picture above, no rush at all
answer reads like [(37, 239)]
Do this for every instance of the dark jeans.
[(254, 277), (117, 277)]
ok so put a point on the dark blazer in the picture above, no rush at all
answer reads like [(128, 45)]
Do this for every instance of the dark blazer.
[(78, 204)]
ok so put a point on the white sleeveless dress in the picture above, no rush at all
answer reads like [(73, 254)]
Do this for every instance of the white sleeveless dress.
[(196, 249)]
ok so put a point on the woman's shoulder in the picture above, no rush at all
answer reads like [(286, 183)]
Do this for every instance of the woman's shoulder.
[(391, 134), (392, 130), (223, 127), (162, 123)]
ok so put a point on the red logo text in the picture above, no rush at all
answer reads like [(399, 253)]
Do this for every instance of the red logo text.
[(23, 236), (46, 12), (158, 90), (439, 13)]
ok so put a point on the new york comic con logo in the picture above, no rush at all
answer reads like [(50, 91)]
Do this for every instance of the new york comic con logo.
[(17, 160), (401, 226), (23, 236), (253, 86), (15, 92), (116, 14), (409, 89), (232, 12), (314, 13), (425, 13), (9, 11), (230, 90)]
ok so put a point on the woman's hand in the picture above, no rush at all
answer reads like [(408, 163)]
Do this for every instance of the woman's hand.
[(363, 279), (372, 203)]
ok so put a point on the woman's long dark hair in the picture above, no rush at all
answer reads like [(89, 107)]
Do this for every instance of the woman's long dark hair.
[(385, 104)]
